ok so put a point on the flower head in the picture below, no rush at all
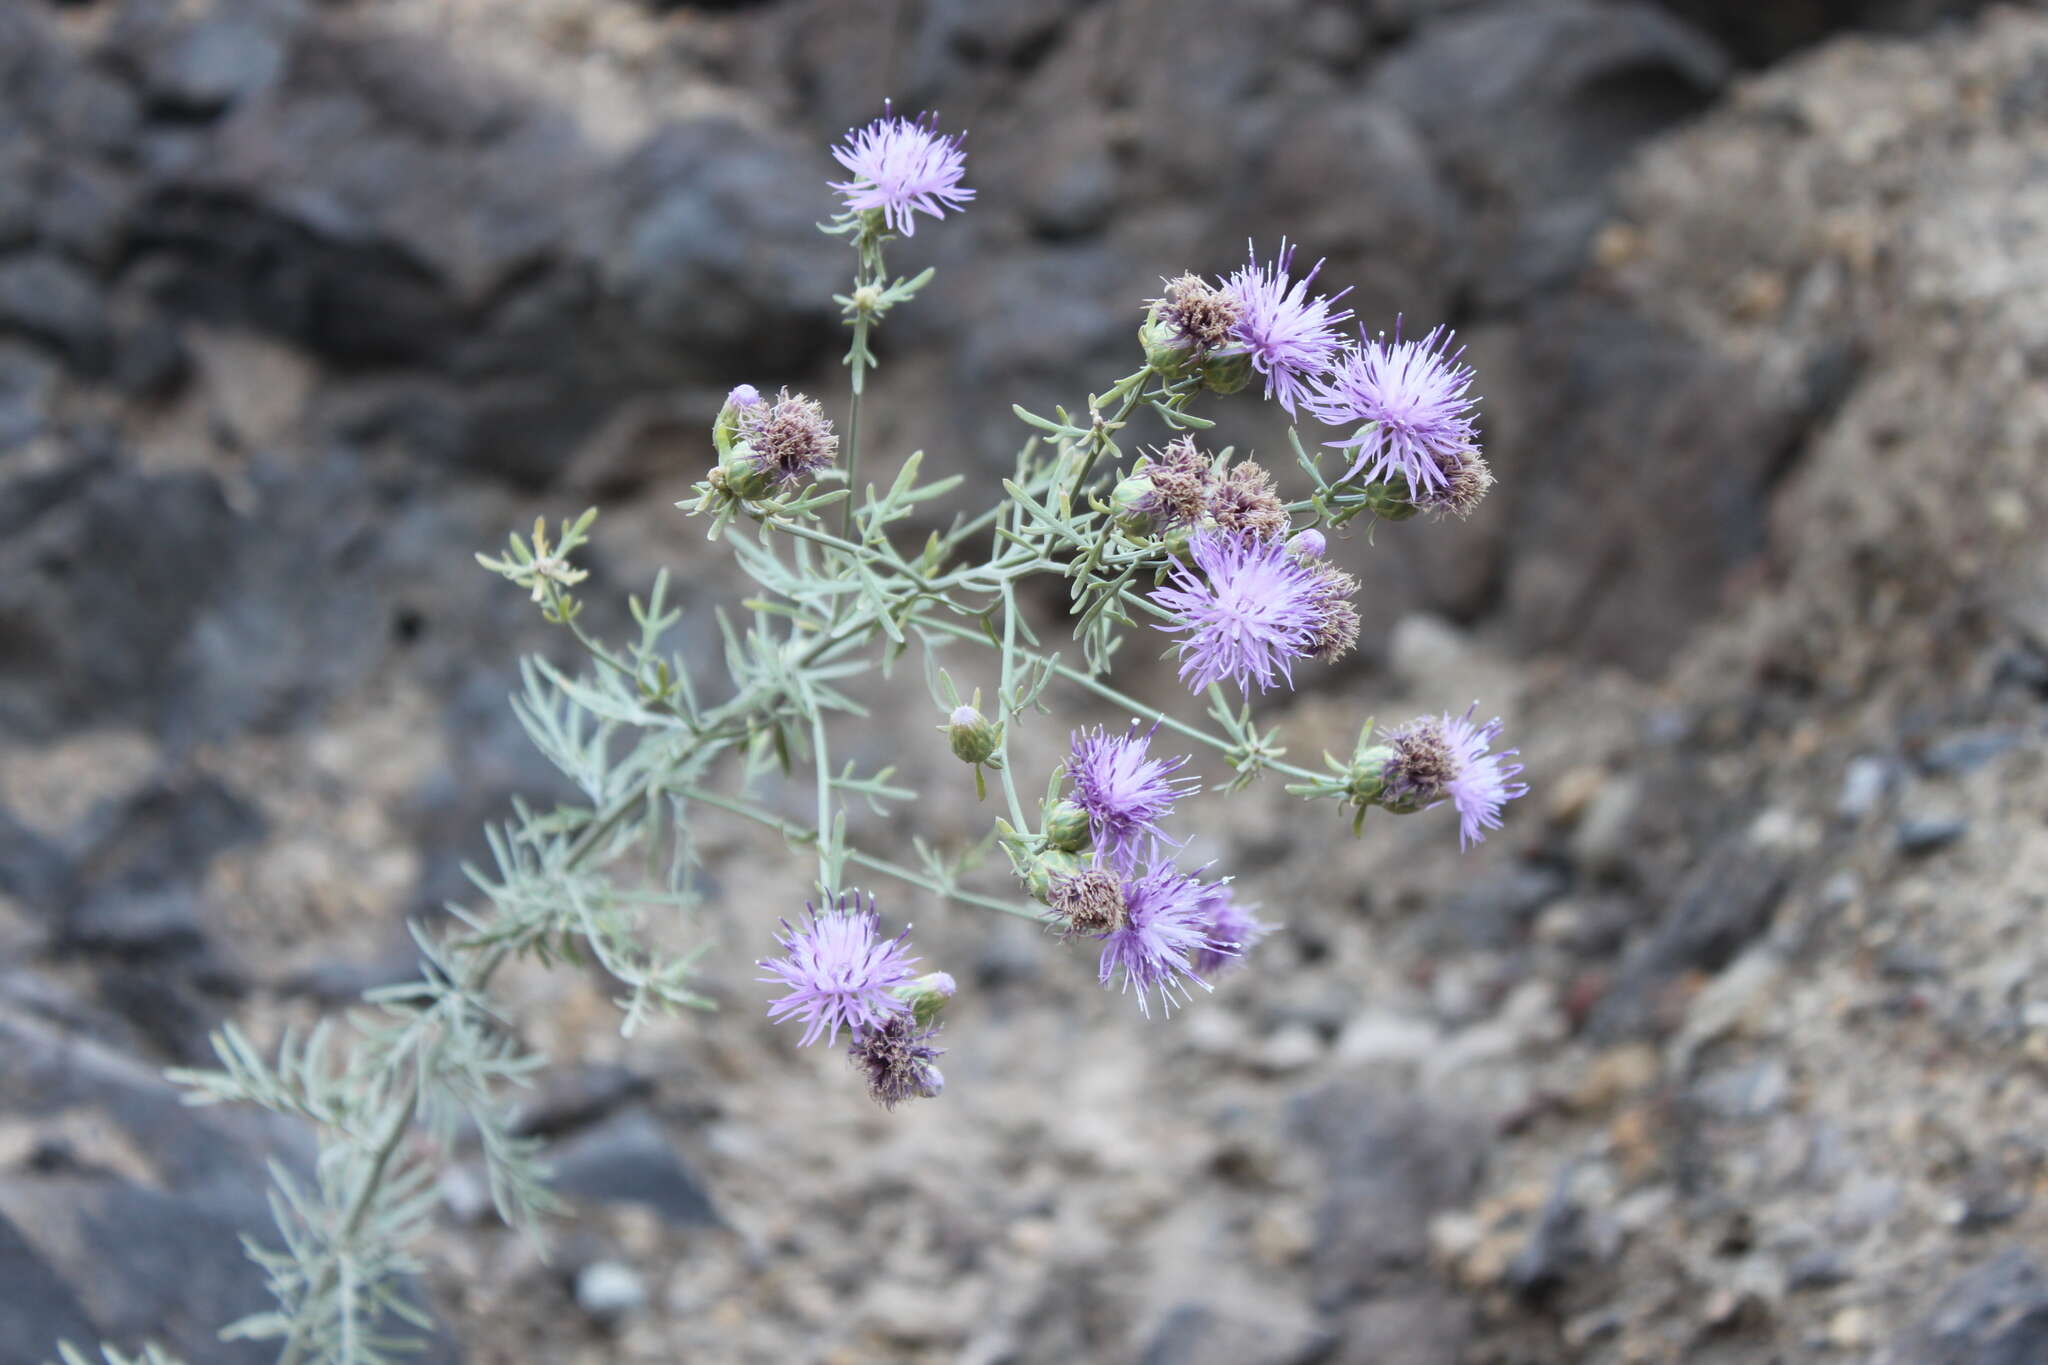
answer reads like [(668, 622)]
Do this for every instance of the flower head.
[(1289, 336), (1164, 927), (1247, 610), (1179, 482), (1125, 791), (1198, 314), (839, 971), (897, 1058), (901, 167), (1230, 929), (1466, 479), (1243, 501), (1336, 620), (789, 440), (1446, 757), (1411, 398)]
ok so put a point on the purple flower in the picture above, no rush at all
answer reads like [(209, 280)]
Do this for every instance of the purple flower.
[(743, 396), (1150, 925), (1414, 395), (1125, 791), (902, 166), (1439, 757), (1230, 929), (1250, 612), (788, 441), (1289, 336), (839, 971), (897, 1058)]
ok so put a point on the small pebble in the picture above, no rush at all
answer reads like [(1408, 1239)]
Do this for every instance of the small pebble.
[(1928, 833), (609, 1289)]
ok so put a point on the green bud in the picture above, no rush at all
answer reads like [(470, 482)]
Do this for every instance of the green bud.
[(1045, 868), (1127, 499), (972, 737), (1227, 373), (744, 476), (1166, 351), (1066, 827), (1368, 775), (927, 995), (1389, 501)]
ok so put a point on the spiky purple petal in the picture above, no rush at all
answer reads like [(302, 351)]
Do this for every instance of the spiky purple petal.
[(1412, 397), (839, 971)]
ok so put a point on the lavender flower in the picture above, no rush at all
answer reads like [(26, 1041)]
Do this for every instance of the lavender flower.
[(1230, 929), (839, 971), (897, 1057), (902, 167), (1125, 791), (1412, 398), (1248, 614), (1150, 925), (1289, 336), (1439, 757), (1307, 545)]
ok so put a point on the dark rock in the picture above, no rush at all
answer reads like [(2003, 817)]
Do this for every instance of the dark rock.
[(99, 591), (629, 1159), (25, 382), (1967, 752), (1996, 1314), (41, 1309), (1818, 1270), (52, 301), (139, 872), (33, 870), (1495, 910), (573, 1097), (1531, 106), (1390, 1163), (1925, 834), (1724, 902)]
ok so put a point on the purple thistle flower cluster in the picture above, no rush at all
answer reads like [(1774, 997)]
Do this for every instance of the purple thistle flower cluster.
[(839, 970), (1247, 609), (1439, 758), (1125, 791), (1412, 401), (902, 167), (1258, 313)]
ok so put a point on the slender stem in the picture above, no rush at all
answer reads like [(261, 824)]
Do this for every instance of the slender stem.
[(828, 860), (860, 347), (1006, 700), (798, 834)]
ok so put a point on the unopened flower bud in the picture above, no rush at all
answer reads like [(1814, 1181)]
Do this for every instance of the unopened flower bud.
[(1368, 778), (1131, 503), (1066, 827), (725, 431), (1166, 351), (1390, 501), (973, 738), (1308, 545), (744, 476), (926, 996), (1227, 373)]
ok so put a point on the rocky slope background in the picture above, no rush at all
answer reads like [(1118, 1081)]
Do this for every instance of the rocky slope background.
[(1729, 1048)]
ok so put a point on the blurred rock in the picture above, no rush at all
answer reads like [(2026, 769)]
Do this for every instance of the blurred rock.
[(629, 1159)]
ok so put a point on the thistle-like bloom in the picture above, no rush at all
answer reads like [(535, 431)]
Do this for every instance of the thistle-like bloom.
[(1243, 502), (1466, 479), (1247, 610), (1125, 791), (1151, 925), (790, 440), (1336, 619), (1180, 483), (1446, 757), (1289, 336), (839, 971), (1231, 929), (897, 1059), (1412, 399), (1198, 314), (903, 167)]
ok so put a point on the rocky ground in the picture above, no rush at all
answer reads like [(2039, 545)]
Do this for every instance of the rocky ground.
[(1726, 1049)]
